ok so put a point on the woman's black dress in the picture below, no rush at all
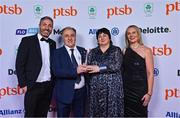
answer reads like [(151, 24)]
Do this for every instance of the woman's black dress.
[(135, 84)]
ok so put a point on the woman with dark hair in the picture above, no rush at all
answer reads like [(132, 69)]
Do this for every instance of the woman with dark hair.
[(105, 84), (138, 74)]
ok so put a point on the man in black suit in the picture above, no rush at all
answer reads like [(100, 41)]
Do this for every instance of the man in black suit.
[(33, 67), (68, 67)]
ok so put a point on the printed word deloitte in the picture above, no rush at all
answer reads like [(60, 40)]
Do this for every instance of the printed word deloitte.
[(172, 7), (169, 93), (65, 12), (160, 51), (8, 91), (178, 72), (4, 9), (155, 30), (11, 72), (119, 11)]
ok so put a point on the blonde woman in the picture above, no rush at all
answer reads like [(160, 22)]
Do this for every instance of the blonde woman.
[(137, 74)]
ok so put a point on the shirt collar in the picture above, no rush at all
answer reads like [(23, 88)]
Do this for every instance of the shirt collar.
[(68, 48), (40, 36)]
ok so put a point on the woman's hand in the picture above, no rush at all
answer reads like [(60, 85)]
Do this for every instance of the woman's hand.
[(146, 98), (92, 69)]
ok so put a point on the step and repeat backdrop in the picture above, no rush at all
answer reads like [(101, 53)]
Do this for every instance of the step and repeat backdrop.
[(159, 21)]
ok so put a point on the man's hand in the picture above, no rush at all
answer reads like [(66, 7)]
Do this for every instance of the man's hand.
[(81, 69)]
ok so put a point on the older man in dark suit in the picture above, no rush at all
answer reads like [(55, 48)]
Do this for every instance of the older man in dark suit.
[(68, 67), (33, 67)]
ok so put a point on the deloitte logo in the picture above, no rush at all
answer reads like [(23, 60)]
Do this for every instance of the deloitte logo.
[(92, 11), (156, 29), (114, 31), (11, 72)]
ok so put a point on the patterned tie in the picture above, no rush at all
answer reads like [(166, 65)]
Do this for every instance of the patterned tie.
[(75, 64)]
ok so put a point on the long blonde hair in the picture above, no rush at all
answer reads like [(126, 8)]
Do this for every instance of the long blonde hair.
[(139, 34)]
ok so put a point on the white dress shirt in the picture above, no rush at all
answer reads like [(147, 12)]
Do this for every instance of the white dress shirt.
[(78, 59), (44, 74)]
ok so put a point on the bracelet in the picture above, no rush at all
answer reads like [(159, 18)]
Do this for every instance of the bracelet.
[(149, 94)]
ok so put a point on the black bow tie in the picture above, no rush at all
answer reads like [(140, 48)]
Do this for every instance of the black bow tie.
[(46, 40)]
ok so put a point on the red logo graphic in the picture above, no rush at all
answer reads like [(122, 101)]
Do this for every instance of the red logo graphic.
[(4, 9), (119, 11), (0, 51), (160, 51), (172, 7), (65, 12), (8, 91), (169, 93)]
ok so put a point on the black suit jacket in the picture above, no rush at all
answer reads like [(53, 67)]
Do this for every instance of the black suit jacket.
[(29, 60), (65, 73)]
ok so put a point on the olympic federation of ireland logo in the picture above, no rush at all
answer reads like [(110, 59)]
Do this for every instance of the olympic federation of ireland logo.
[(38, 10), (92, 11), (148, 9)]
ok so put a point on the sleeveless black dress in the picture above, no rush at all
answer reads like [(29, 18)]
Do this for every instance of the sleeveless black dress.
[(135, 84)]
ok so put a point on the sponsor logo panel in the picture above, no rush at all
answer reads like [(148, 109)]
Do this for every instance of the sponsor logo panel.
[(148, 9), (5, 112), (165, 50), (178, 72), (38, 10), (172, 93), (156, 29), (156, 72), (119, 11), (71, 11), (11, 9), (26, 31), (11, 91), (92, 11), (172, 114), (172, 7)]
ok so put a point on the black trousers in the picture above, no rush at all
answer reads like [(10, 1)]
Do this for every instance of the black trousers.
[(37, 99)]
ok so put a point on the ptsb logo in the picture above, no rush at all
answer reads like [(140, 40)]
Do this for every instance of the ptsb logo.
[(117, 11), (11, 10), (160, 51), (172, 7), (172, 93), (8, 91), (65, 12)]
